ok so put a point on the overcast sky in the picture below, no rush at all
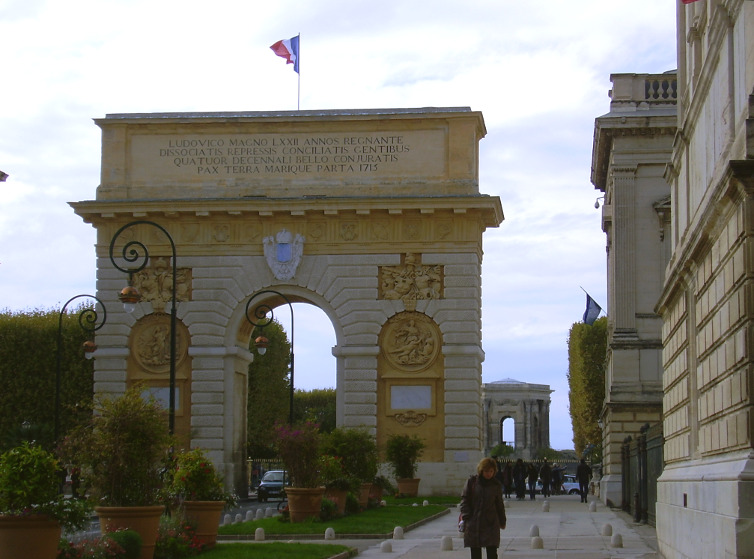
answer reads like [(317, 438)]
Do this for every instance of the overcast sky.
[(538, 70)]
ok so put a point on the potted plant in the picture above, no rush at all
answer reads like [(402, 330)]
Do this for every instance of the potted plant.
[(360, 457), (337, 485), (32, 509), (380, 486), (195, 486), (403, 453), (123, 453), (299, 448)]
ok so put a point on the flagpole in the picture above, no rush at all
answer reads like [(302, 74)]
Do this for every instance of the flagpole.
[(298, 97)]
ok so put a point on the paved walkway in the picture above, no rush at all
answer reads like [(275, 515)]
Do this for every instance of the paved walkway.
[(568, 531)]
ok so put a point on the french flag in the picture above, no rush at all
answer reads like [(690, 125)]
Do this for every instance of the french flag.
[(288, 49), (688, 1)]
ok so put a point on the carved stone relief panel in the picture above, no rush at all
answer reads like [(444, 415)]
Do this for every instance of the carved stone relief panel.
[(410, 341), (150, 343), (155, 283), (411, 281)]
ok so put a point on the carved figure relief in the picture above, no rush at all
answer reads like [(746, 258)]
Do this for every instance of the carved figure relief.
[(412, 280), (155, 283), (411, 341), (151, 343), (283, 253)]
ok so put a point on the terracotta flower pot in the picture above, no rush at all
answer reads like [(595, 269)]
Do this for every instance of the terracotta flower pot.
[(205, 515), (143, 520), (337, 496), (304, 503), (30, 537), (364, 491), (408, 487)]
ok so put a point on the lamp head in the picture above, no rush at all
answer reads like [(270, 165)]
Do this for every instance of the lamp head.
[(89, 348), (129, 296), (261, 343)]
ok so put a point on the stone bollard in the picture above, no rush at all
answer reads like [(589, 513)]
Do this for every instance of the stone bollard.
[(259, 514), (446, 543), (546, 506), (533, 531), (593, 506), (226, 520), (259, 535), (249, 515), (237, 519), (386, 547), (616, 541), (269, 512), (537, 543), (398, 533), (330, 534), (607, 530), (383, 503)]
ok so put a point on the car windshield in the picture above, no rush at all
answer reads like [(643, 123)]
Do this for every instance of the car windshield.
[(273, 476)]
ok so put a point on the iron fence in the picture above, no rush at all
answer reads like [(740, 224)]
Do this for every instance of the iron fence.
[(642, 464)]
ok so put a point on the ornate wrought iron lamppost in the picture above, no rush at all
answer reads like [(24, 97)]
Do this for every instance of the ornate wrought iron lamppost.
[(136, 252), (264, 315), (88, 322)]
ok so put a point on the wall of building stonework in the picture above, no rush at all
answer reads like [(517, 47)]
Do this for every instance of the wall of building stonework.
[(705, 505)]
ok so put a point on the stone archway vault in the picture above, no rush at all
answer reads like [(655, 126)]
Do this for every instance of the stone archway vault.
[(367, 214)]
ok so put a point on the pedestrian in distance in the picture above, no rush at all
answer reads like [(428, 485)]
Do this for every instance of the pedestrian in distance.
[(519, 479), (532, 474), (483, 511), (545, 474), (508, 480), (583, 475)]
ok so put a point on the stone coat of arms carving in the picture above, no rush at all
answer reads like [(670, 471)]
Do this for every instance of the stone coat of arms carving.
[(283, 253)]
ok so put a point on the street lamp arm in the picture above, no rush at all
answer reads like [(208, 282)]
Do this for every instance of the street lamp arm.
[(265, 314), (87, 319), (135, 251)]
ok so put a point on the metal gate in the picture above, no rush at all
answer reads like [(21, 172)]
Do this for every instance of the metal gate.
[(642, 464)]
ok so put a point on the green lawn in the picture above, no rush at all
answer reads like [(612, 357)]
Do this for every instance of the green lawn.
[(375, 521), (275, 549)]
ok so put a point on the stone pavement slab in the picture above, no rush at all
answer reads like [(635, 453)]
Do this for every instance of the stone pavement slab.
[(568, 530)]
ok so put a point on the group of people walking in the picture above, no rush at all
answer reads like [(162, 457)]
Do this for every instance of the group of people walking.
[(523, 476)]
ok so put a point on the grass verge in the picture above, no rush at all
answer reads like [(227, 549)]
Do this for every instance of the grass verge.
[(278, 550), (377, 521)]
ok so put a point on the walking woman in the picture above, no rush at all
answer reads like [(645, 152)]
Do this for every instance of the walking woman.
[(483, 511)]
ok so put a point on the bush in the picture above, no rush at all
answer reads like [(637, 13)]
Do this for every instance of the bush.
[(129, 540), (176, 539)]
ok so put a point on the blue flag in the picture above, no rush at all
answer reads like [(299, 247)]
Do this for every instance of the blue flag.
[(592, 311)]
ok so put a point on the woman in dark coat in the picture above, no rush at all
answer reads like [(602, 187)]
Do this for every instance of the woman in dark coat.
[(483, 511)]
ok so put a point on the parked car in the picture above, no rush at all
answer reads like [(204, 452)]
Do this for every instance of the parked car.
[(570, 484), (272, 485)]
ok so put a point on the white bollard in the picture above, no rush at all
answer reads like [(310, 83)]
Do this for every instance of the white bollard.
[(593, 506), (386, 547), (226, 520), (616, 541), (383, 503), (398, 533), (425, 503), (446, 543), (534, 531), (607, 530), (259, 535), (269, 512), (545, 507), (249, 515), (238, 519), (537, 543), (330, 534), (259, 514)]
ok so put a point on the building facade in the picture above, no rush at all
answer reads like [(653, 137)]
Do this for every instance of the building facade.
[(705, 495), (632, 145)]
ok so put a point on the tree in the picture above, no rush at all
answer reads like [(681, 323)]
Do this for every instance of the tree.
[(28, 351), (587, 349), (317, 405), (269, 391)]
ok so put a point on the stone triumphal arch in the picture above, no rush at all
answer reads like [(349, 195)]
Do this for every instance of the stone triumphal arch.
[(373, 216)]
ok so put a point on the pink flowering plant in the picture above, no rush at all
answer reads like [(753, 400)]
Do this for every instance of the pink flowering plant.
[(194, 478), (299, 448)]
